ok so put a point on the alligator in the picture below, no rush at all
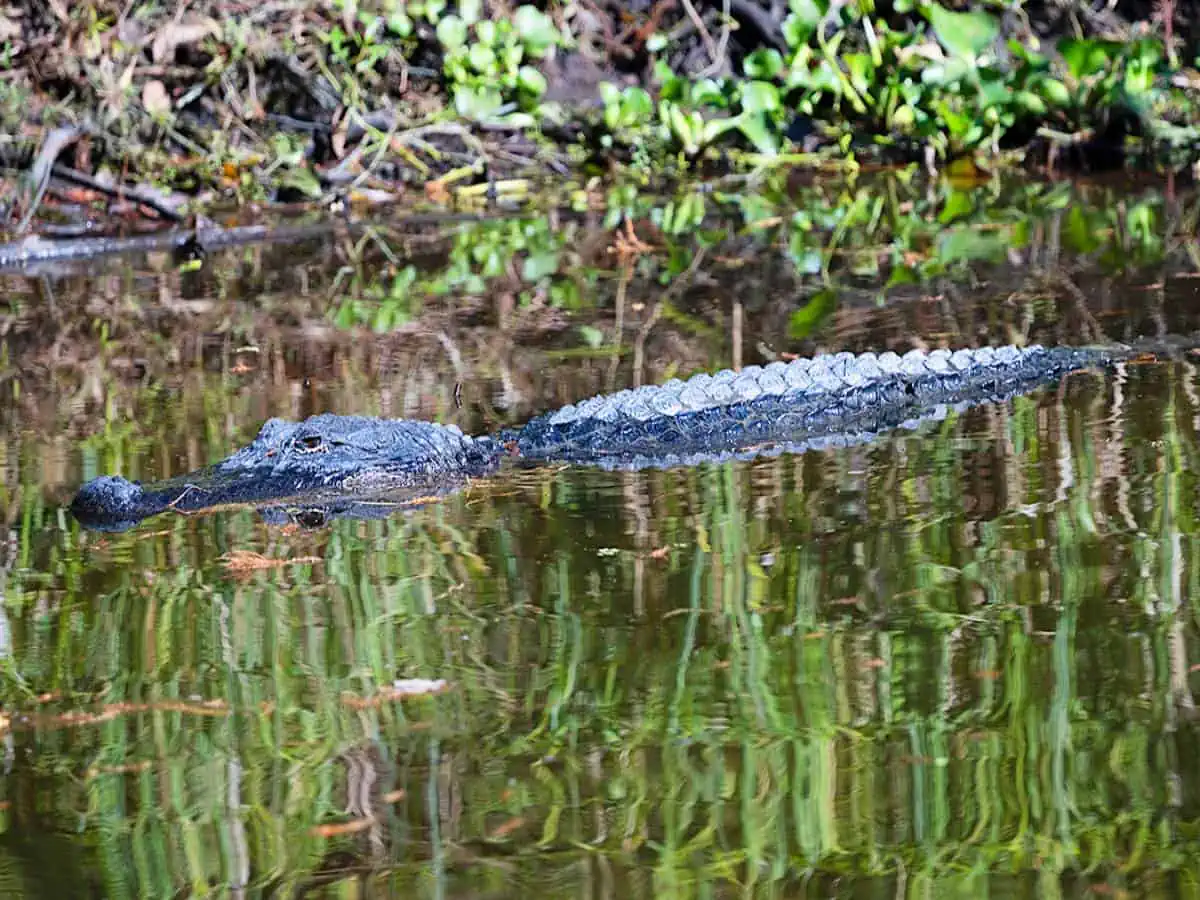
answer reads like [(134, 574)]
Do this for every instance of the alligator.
[(330, 465)]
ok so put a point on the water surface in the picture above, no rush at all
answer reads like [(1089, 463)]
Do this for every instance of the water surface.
[(956, 662)]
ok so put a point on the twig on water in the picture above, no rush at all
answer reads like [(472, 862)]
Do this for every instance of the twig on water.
[(117, 192)]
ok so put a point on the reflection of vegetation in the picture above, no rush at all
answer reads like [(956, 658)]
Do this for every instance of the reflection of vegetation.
[(901, 662), (835, 236), (527, 251)]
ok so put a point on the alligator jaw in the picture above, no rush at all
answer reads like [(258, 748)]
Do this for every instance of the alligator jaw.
[(109, 503)]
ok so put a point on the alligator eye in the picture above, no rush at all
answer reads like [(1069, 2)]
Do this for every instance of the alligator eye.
[(309, 442)]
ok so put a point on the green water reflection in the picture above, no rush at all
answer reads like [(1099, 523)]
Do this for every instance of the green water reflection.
[(958, 662), (952, 663)]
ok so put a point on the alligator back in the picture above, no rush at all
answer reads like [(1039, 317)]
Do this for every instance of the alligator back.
[(792, 405)]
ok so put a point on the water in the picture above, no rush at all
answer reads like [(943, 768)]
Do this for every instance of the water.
[(950, 663)]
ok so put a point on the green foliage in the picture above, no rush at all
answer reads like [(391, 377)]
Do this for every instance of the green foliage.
[(486, 61), (946, 80)]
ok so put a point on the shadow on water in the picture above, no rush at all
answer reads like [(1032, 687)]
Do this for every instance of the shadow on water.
[(958, 661)]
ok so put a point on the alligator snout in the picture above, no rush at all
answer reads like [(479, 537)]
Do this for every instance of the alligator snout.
[(109, 503)]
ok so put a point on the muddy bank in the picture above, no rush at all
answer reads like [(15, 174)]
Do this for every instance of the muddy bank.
[(124, 122)]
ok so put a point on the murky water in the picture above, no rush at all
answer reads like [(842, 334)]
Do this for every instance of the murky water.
[(959, 662)]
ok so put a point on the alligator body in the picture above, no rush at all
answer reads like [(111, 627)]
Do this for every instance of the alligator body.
[(350, 465)]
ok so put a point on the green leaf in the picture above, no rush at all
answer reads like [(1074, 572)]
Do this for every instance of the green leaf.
[(806, 319), (798, 28), (963, 34), (637, 106), (539, 265), (809, 12), (903, 118), (708, 92), (1087, 56), (964, 244), (536, 29), (477, 102), (861, 70), (592, 336), (1026, 53), (610, 94), (714, 128), (482, 58), (469, 10), (952, 70), (400, 25), (763, 63), (764, 138), (1054, 92), (760, 97), (902, 274), (531, 80), (958, 204), (1030, 102), (1146, 52), (452, 32), (1079, 234)]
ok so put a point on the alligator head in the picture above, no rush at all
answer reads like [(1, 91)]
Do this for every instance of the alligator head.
[(325, 457)]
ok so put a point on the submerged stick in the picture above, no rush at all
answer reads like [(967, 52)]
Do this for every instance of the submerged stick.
[(117, 191), (30, 252)]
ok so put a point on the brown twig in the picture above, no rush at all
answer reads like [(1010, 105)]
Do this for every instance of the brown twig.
[(117, 192), (39, 173)]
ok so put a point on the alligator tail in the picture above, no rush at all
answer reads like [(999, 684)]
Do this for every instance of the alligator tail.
[(796, 401)]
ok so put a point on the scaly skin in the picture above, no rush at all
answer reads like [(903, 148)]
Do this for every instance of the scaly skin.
[(347, 463)]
